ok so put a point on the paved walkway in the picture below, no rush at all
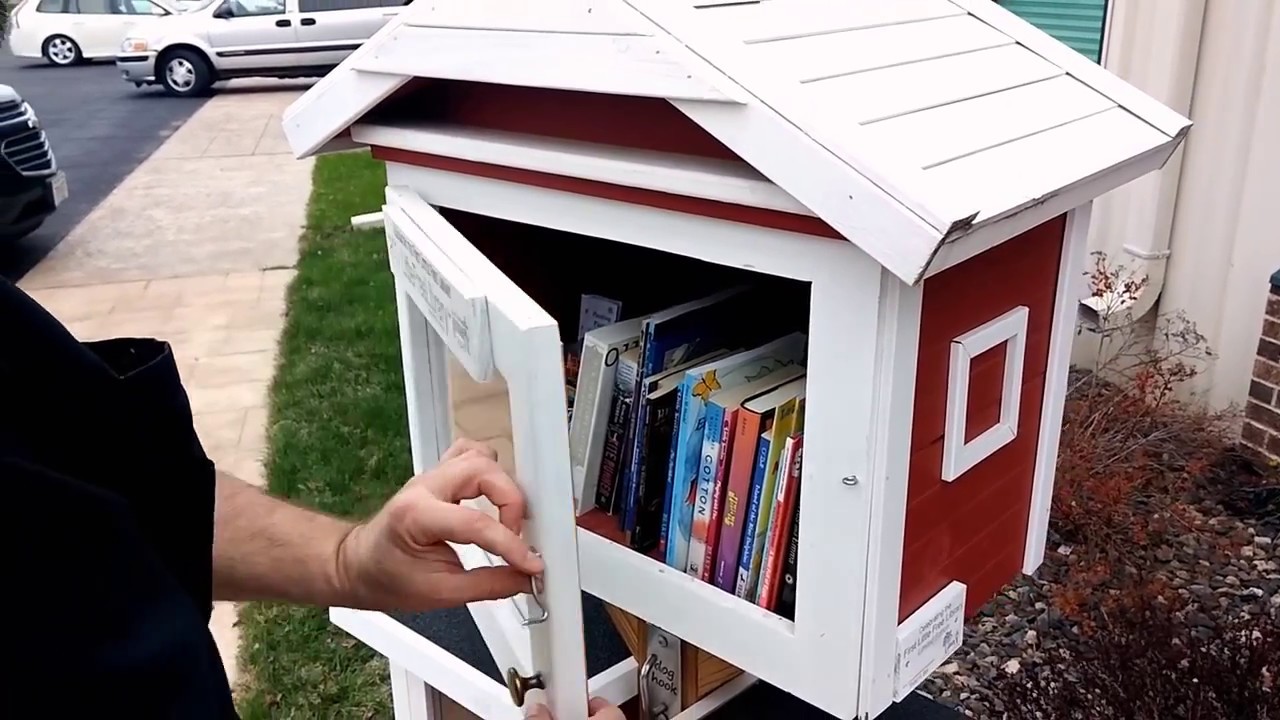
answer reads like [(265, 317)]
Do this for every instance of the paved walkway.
[(196, 247)]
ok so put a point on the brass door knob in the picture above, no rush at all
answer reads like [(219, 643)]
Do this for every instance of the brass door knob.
[(519, 685)]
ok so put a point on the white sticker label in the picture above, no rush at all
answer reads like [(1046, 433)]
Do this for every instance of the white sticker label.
[(459, 314), (928, 638), (597, 312)]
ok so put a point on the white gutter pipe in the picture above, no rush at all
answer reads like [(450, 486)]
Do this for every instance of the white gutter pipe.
[(1155, 45)]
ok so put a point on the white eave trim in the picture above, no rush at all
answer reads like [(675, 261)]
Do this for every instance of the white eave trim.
[(705, 178)]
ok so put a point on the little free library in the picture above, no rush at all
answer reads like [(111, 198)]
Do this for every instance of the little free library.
[(767, 306)]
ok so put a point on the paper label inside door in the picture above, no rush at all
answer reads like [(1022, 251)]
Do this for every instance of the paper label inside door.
[(446, 297)]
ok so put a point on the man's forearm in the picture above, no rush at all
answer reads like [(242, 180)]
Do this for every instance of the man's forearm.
[(267, 549)]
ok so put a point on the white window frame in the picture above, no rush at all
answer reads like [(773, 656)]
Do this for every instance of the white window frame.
[(958, 456)]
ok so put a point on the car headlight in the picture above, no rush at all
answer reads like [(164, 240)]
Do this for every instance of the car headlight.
[(133, 45), (28, 113)]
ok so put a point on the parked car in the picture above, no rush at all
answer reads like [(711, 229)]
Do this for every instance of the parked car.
[(65, 32), (225, 39), (31, 186)]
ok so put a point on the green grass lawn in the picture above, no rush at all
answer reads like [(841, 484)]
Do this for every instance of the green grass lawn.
[(338, 442)]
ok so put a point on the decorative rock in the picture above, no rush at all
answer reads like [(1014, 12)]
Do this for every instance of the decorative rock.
[(1262, 541), (1013, 667)]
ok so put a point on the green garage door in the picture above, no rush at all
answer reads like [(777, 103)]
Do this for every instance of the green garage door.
[(1077, 23)]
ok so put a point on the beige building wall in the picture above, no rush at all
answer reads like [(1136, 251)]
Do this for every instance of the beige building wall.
[(1204, 229)]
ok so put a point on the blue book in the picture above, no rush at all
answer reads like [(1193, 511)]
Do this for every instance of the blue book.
[(671, 338), (743, 587)]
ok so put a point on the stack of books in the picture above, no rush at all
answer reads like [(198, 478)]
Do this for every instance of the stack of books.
[(690, 421)]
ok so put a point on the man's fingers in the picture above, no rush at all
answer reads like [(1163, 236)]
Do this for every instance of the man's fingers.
[(486, 583), (539, 712), (458, 524), (471, 476), (601, 709)]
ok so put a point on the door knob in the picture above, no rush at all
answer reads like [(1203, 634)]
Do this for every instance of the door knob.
[(519, 685)]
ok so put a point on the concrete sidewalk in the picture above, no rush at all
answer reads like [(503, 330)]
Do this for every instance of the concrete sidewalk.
[(197, 247)]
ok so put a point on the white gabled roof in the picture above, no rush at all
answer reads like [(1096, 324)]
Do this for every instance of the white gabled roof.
[(901, 123)]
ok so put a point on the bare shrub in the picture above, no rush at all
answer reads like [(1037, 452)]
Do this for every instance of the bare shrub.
[(1143, 663)]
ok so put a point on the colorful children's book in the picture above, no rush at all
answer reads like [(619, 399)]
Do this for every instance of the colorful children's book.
[(780, 523), (656, 431), (602, 349), (723, 447), (741, 587), (693, 467), (784, 404), (786, 606), (744, 425)]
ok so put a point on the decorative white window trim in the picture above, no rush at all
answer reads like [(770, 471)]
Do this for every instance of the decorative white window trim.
[(959, 456)]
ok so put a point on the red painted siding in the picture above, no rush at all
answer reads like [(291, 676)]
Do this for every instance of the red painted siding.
[(973, 529), (791, 222), (633, 122)]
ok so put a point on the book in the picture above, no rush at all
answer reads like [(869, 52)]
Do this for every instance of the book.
[(669, 338), (786, 606), (780, 523), (602, 349), (742, 586), (693, 466), (783, 403), (656, 434), (745, 424), (614, 455), (723, 448)]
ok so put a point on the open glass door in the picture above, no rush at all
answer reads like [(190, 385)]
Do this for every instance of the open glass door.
[(460, 314)]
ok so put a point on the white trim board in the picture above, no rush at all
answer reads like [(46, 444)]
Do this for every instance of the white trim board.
[(705, 178), (959, 455), (1071, 290), (749, 247)]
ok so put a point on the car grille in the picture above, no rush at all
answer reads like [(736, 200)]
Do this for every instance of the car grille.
[(29, 153), (11, 110)]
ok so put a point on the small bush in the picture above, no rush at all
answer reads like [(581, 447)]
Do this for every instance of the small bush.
[(1130, 445), (1143, 663)]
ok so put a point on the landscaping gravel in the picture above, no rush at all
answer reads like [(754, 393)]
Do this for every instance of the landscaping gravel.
[(1227, 567)]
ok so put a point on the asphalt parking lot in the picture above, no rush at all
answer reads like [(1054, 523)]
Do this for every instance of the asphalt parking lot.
[(100, 128)]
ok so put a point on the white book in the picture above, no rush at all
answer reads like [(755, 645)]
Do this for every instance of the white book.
[(597, 369)]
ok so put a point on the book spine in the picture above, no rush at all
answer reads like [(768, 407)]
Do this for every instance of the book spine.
[(786, 606), (653, 473), (779, 524), (717, 495), (708, 454), (636, 452), (668, 490), (614, 455), (744, 588), (677, 550), (741, 463), (643, 434)]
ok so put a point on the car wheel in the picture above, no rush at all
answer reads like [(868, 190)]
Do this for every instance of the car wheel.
[(62, 50), (184, 73)]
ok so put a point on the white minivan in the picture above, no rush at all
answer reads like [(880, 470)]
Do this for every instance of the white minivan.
[(223, 39), (64, 32)]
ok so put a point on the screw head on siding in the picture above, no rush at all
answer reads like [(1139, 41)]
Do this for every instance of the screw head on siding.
[(849, 480)]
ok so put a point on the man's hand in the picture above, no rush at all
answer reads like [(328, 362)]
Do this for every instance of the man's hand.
[(599, 708), (398, 560)]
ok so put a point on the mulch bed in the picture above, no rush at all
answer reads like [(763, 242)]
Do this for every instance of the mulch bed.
[(1226, 564)]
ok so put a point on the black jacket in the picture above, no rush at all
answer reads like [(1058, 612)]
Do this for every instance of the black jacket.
[(107, 516)]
